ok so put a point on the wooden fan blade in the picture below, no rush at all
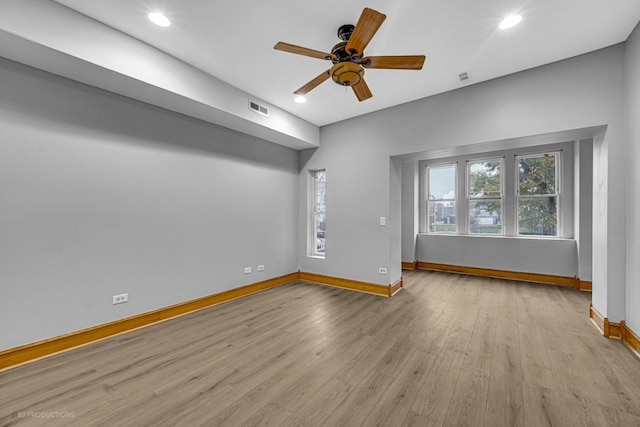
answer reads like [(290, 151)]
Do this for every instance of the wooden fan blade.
[(287, 47), (362, 91), (366, 28), (312, 84), (409, 62)]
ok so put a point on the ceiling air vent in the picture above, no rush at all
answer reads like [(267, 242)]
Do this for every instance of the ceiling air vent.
[(464, 77), (260, 109)]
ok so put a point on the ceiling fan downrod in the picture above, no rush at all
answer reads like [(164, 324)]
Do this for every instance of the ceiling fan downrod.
[(345, 31)]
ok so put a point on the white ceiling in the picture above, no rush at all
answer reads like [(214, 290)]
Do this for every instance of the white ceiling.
[(234, 41)]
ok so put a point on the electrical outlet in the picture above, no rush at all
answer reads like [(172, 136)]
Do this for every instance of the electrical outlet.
[(382, 270), (247, 270), (119, 299), (383, 220), (261, 267)]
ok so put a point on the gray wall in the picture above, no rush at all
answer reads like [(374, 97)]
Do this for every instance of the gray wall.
[(102, 195), (578, 93), (583, 203), (632, 106), (530, 255), (410, 209)]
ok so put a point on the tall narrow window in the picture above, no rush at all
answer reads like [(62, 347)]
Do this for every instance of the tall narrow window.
[(318, 231), (484, 192), (441, 203), (538, 191)]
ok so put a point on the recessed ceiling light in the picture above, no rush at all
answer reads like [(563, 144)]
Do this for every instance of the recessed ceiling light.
[(510, 21), (159, 19), (300, 99)]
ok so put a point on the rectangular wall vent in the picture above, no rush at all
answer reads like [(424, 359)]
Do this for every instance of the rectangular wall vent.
[(260, 109), (464, 77)]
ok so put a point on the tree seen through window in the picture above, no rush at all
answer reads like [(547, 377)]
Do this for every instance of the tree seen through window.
[(538, 195), (484, 183)]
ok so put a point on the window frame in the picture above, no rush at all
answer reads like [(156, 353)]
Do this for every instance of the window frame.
[(315, 213), (469, 198), (557, 154), (566, 169), (427, 200)]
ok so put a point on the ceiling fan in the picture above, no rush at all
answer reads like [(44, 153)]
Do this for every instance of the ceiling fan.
[(348, 56)]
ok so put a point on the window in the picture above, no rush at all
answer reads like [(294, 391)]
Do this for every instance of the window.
[(441, 203), (318, 227), (515, 192), (538, 191), (484, 195)]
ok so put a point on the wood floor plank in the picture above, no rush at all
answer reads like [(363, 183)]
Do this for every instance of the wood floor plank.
[(541, 406), (316, 407), (359, 366), (618, 418), (435, 397), (507, 325), (398, 399), (203, 404), (469, 398), (270, 415), (297, 394), (357, 405), (536, 368), (505, 401), (480, 349), (581, 379), (580, 412), (414, 419)]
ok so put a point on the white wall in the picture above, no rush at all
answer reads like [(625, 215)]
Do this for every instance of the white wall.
[(578, 93), (102, 195), (632, 106)]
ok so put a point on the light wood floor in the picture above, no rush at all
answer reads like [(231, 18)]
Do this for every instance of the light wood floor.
[(446, 350)]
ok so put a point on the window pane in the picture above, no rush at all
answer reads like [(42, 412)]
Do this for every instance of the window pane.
[(442, 217), (320, 232), (318, 227), (321, 182), (442, 182), (485, 179), (485, 216), (537, 175), (538, 216)]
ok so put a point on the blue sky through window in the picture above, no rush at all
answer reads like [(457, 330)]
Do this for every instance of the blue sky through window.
[(442, 182)]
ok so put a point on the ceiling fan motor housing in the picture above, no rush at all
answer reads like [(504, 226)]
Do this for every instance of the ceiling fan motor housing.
[(341, 54), (347, 73)]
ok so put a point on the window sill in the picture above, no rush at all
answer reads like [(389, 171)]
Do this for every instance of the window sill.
[(501, 236), (316, 256)]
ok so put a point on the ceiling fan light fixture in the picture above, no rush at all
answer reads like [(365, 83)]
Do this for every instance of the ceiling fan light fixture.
[(510, 22), (159, 19), (346, 73), (300, 99)]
